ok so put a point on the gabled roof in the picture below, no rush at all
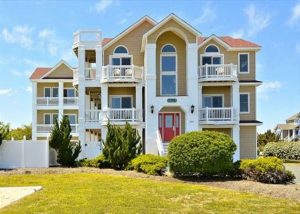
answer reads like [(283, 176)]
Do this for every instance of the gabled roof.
[(108, 42), (229, 43), (40, 73), (294, 117)]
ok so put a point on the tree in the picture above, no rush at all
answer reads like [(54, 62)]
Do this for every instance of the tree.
[(267, 137), (60, 140), (4, 130), (121, 145), (20, 132)]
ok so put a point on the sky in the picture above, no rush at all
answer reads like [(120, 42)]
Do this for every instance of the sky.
[(40, 33)]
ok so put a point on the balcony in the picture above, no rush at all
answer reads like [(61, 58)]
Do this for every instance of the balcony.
[(122, 115), (70, 101), (47, 128), (214, 73), (93, 116), (122, 73), (47, 101), (87, 37), (217, 115)]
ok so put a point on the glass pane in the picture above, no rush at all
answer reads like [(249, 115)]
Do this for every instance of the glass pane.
[(207, 102), (126, 61), (54, 118), (116, 61), (47, 92), (211, 49), (244, 63), (168, 49), (116, 102), (47, 119), (244, 103), (206, 60), (168, 85), (120, 50), (216, 60), (71, 93), (168, 63), (126, 102), (72, 119), (169, 121), (217, 102), (55, 92)]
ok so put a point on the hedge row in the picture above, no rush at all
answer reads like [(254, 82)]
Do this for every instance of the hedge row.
[(150, 164), (283, 150)]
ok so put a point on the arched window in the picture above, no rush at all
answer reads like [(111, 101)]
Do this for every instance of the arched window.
[(121, 50), (212, 49), (168, 70)]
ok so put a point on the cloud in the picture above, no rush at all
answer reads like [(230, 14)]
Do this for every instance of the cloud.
[(208, 15), (28, 89), (268, 87), (295, 17), (238, 34), (103, 5), (21, 35), (6, 92)]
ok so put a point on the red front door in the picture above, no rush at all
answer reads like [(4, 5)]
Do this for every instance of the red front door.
[(169, 125)]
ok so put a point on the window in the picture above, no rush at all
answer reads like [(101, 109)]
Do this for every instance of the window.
[(169, 121), (72, 118), (211, 49), (215, 101), (121, 50), (168, 70), (54, 118), (51, 92), (50, 118), (47, 92), (244, 103), (244, 63), (121, 102), (54, 92), (69, 92)]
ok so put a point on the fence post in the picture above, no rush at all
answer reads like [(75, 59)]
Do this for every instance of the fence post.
[(23, 154)]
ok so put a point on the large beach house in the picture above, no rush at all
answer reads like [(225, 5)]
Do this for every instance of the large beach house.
[(164, 78)]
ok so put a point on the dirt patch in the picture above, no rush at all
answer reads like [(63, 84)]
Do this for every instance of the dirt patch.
[(289, 191)]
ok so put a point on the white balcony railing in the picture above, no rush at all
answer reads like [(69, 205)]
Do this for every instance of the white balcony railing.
[(75, 75), (47, 101), (71, 101), (93, 115), (90, 73), (119, 115), (87, 36), (47, 128), (216, 114), (122, 73), (217, 72)]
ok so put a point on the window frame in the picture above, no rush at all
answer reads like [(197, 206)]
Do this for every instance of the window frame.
[(248, 56), (69, 88), (248, 94), (213, 95), (51, 91), (120, 96), (114, 52), (169, 73), (211, 54), (76, 119), (51, 118), (120, 56)]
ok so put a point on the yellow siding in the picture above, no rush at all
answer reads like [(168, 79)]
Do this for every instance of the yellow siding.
[(133, 42), (252, 91), (41, 86), (121, 91), (224, 90), (62, 71), (171, 38), (248, 142), (176, 109)]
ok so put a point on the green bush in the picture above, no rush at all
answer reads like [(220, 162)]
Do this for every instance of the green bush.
[(283, 150), (150, 164), (98, 162), (266, 170), (201, 153)]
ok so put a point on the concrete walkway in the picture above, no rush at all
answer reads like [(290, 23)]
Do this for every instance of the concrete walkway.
[(9, 195), (295, 168)]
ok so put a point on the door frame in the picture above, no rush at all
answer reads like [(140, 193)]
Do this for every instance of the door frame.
[(170, 112)]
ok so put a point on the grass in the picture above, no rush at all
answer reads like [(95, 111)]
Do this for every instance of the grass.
[(99, 193), (292, 161)]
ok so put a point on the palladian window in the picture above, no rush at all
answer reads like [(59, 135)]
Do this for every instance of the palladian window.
[(168, 70), (212, 56), (121, 56)]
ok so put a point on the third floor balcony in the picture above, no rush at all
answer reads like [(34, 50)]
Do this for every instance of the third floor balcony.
[(122, 73), (213, 72)]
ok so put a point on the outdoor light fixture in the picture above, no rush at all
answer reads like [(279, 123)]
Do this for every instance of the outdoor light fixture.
[(192, 109), (152, 109)]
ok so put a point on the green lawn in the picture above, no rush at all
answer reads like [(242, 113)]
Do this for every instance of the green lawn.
[(98, 193)]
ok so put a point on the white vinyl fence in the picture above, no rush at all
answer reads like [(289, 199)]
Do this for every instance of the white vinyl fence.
[(24, 154)]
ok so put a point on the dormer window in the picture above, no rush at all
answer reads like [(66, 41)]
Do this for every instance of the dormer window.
[(212, 56)]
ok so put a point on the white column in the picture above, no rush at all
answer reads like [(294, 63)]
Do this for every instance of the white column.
[(81, 62), (281, 134), (235, 100), (294, 134), (139, 101), (60, 100), (99, 62), (199, 103), (104, 100), (34, 110), (236, 139), (150, 95)]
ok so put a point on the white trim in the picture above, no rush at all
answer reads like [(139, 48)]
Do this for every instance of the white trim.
[(120, 56), (168, 73), (51, 118), (211, 55), (248, 56), (250, 124), (243, 112), (120, 96), (213, 95), (72, 88), (51, 91), (56, 66), (250, 83), (114, 52)]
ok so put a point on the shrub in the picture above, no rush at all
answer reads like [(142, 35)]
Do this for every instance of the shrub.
[(60, 140), (4, 131), (98, 162), (201, 153), (266, 170), (283, 150), (121, 145), (150, 164)]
